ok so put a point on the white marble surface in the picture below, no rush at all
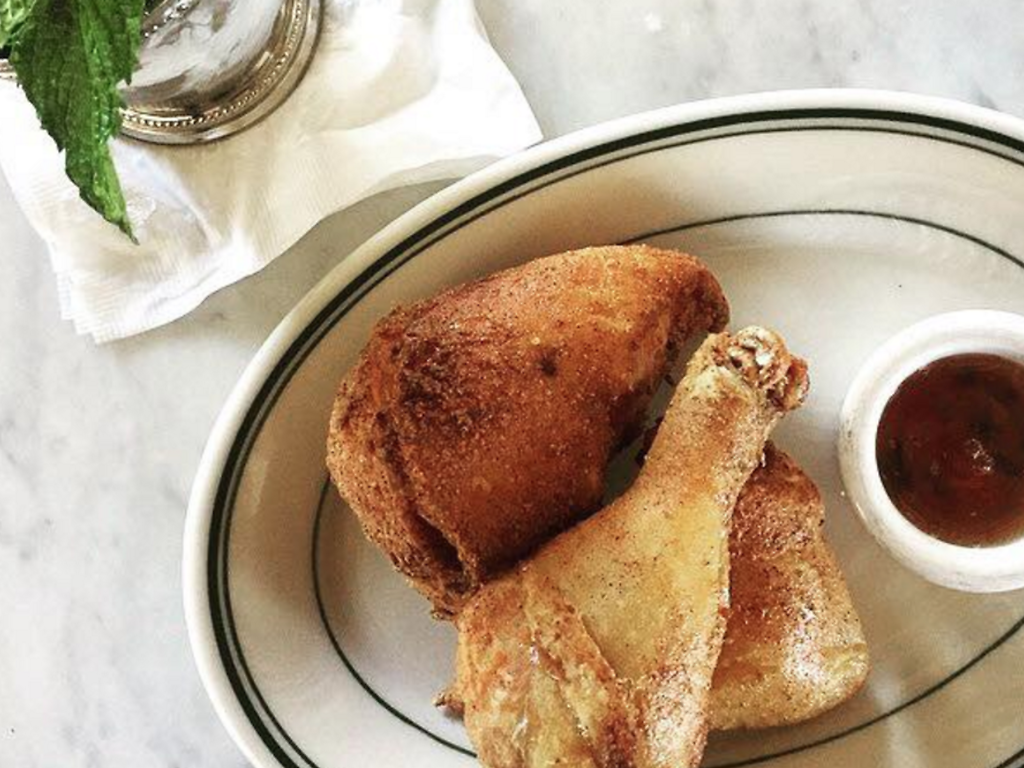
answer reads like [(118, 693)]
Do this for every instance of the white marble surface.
[(98, 445)]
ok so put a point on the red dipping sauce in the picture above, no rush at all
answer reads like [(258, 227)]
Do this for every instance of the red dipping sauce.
[(950, 449)]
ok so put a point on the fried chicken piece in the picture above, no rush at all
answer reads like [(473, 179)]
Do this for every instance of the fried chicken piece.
[(599, 650), (794, 646), (479, 423)]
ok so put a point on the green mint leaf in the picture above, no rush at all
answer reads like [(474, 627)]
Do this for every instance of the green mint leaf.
[(12, 14), (70, 56)]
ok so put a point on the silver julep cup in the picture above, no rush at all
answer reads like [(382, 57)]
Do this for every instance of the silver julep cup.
[(209, 68)]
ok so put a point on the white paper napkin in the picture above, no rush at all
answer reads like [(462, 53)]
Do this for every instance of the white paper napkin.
[(399, 92)]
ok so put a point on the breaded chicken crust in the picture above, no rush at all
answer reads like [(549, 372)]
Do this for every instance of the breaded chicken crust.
[(479, 423)]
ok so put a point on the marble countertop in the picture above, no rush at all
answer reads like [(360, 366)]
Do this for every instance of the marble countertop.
[(98, 445)]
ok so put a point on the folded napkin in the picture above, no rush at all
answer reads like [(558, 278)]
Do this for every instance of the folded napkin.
[(399, 92)]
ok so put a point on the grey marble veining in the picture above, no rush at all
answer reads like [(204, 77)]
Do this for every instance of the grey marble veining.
[(583, 62), (98, 445)]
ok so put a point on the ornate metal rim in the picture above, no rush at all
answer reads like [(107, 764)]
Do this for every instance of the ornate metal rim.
[(265, 88)]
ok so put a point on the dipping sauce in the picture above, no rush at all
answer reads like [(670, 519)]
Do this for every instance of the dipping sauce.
[(950, 449)]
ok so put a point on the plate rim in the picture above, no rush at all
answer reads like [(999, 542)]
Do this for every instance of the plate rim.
[(980, 122)]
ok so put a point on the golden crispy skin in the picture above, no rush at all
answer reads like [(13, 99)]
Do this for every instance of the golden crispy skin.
[(599, 650), (794, 646), (480, 422)]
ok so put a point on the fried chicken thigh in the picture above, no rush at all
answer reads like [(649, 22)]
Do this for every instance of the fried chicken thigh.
[(479, 423), (598, 651), (794, 646)]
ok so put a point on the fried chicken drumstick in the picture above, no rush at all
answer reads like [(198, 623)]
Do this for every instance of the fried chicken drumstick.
[(479, 423), (598, 651)]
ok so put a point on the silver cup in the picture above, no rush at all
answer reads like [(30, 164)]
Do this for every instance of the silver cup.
[(210, 68)]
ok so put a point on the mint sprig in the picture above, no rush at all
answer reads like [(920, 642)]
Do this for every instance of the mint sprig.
[(70, 56), (12, 14)]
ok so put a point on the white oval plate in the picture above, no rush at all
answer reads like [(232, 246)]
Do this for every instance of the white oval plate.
[(836, 217)]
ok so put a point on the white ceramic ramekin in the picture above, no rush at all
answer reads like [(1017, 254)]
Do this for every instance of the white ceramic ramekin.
[(972, 569)]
